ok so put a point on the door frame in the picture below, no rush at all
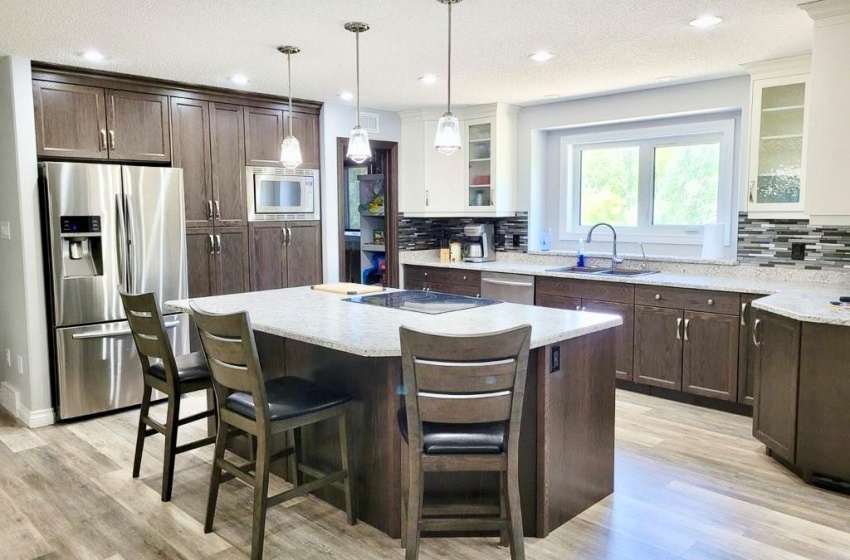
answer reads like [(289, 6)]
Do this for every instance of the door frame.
[(390, 205)]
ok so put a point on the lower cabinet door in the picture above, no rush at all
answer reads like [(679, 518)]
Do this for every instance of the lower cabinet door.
[(624, 341), (710, 364), (658, 346), (777, 371), (303, 254), (268, 256), (558, 302), (233, 260), (200, 248), (746, 353)]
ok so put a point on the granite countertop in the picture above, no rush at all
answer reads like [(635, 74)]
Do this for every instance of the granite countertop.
[(324, 319), (802, 301)]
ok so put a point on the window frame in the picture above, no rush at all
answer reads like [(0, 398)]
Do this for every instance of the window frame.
[(647, 139)]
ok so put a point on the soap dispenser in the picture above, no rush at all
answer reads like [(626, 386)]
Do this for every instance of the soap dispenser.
[(580, 251)]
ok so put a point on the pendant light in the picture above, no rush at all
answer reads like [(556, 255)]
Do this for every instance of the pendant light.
[(358, 141), (448, 140), (290, 150)]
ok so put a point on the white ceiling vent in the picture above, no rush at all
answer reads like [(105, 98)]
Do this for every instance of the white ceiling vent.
[(371, 122)]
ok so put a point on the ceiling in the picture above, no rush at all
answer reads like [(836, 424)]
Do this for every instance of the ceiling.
[(599, 45)]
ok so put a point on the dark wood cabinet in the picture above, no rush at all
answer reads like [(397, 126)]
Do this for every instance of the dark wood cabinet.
[(776, 359), (444, 280), (746, 366), (191, 139), (227, 135), (139, 128), (218, 261), (557, 302), (263, 136), (658, 346), (624, 334), (70, 120), (710, 360), (305, 127), (285, 255)]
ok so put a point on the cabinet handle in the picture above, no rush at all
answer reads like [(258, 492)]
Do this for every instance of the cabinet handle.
[(756, 340), (218, 244), (209, 210), (743, 314), (578, 308), (687, 324), (102, 139), (710, 301), (583, 308), (212, 245), (679, 329), (426, 275), (464, 277), (657, 297), (217, 210), (111, 139), (427, 198), (288, 236), (752, 191)]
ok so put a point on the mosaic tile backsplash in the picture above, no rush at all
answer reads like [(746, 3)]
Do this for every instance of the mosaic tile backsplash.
[(768, 243), (416, 234)]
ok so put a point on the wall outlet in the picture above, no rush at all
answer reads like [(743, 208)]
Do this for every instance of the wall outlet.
[(20, 364), (555, 362), (516, 240), (798, 251), (8, 357), (5, 230)]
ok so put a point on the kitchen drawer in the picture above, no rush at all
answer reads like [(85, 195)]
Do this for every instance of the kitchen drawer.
[(558, 302), (693, 300), (456, 289), (443, 276), (598, 290)]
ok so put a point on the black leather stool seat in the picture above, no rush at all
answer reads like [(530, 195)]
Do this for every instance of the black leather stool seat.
[(289, 397), (190, 367), (457, 439)]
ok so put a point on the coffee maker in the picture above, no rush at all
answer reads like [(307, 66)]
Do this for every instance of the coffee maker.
[(480, 243)]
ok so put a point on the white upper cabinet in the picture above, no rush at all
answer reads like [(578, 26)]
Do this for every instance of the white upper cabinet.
[(479, 180), (778, 137)]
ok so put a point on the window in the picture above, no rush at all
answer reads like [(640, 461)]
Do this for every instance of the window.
[(667, 181)]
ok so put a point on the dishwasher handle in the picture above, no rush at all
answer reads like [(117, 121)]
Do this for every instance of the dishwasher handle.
[(507, 283)]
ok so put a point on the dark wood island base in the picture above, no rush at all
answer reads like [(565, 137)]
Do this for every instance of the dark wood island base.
[(567, 440)]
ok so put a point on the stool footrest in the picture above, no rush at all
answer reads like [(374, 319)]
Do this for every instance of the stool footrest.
[(195, 417), (464, 524), (195, 444), (306, 488), (159, 428), (316, 473)]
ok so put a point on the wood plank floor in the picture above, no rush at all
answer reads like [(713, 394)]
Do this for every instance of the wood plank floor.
[(690, 484)]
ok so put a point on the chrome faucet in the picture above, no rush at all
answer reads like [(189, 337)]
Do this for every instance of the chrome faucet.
[(615, 259)]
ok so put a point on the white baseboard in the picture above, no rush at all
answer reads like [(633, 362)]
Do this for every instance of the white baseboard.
[(9, 399), (36, 418)]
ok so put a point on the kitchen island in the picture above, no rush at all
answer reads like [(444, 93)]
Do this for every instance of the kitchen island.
[(567, 439)]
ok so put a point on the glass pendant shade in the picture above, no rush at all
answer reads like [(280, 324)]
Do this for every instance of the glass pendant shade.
[(358, 145), (447, 140), (290, 152)]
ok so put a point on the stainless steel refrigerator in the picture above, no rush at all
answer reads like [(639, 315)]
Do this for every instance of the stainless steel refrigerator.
[(108, 227)]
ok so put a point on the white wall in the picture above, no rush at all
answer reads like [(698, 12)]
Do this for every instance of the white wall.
[(23, 325), (336, 122), (539, 163)]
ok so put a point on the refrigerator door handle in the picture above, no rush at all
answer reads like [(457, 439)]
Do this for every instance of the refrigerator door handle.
[(116, 334), (121, 245), (131, 251)]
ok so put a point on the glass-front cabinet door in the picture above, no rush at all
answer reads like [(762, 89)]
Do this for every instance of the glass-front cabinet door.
[(479, 150), (778, 146)]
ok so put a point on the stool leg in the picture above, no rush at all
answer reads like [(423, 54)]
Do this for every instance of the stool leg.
[(504, 536), (414, 509), (292, 460), (173, 416), (516, 535), (140, 436), (215, 478), (347, 465), (261, 489)]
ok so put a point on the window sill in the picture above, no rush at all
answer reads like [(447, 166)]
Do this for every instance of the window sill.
[(639, 237)]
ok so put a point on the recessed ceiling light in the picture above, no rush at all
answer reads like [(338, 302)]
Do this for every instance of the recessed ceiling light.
[(93, 55), (346, 96), (541, 56), (664, 79), (239, 79), (706, 21), (428, 79)]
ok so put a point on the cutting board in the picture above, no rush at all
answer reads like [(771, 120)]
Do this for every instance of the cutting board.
[(348, 289)]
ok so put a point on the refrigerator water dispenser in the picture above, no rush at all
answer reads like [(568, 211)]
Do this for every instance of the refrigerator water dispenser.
[(82, 253)]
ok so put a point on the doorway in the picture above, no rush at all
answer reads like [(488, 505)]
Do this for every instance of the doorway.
[(368, 215)]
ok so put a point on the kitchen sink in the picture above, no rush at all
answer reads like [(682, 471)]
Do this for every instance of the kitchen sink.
[(625, 272), (579, 269)]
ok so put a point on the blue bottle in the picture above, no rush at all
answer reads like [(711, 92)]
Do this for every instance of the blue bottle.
[(580, 251)]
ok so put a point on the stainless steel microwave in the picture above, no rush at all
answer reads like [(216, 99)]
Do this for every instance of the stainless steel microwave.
[(276, 194)]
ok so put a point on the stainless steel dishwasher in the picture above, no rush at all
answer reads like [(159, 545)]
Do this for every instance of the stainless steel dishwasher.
[(513, 288)]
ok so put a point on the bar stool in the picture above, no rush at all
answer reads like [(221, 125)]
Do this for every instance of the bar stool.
[(463, 406), (246, 403), (173, 376)]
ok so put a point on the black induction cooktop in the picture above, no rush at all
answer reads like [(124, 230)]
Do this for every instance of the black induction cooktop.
[(432, 303)]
